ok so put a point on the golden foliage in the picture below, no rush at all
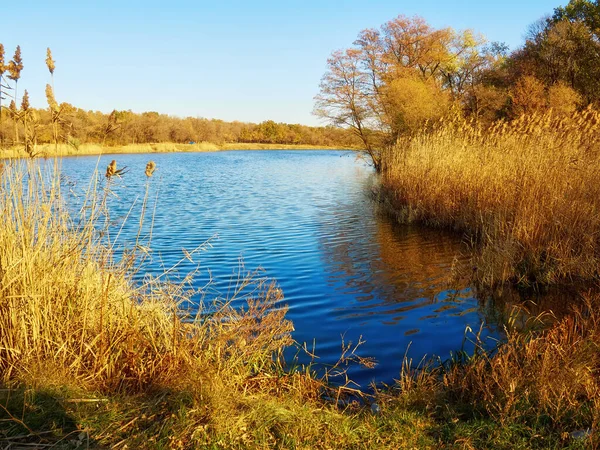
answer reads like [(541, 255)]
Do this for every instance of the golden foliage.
[(413, 101), (486, 102), (563, 99), (528, 96)]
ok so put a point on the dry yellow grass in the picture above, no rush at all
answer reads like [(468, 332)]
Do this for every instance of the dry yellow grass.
[(75, 330), (527, 191), (69, 311), (50, 150)]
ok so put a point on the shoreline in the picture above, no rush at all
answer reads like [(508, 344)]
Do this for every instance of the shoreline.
[(48, 150)]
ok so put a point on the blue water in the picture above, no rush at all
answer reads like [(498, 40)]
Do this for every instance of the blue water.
[(307, 219)]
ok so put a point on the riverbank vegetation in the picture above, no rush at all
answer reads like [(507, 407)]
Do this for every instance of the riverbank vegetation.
[(77, 128), (403, 77), (52, 150), (523, 191), (502, 147), (90, 359)]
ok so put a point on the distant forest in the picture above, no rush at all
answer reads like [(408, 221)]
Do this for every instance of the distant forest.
[(77, 126), (20, 124)]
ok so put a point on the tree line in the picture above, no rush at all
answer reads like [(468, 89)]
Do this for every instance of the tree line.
[(63, 123), (406, 75)]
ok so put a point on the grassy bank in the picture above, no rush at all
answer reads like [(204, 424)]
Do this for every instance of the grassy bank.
[(526, 192), (89, 359), (50, 150)]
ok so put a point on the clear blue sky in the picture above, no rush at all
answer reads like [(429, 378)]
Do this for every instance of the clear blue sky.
[(232, 60)]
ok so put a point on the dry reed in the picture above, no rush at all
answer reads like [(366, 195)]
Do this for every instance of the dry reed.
[(526, 191), (75, 327), (68, 311)]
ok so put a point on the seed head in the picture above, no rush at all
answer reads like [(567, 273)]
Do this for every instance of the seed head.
[(16, 65), (111, 169), (50, 61), (25, 101), (150, 168), (50, 98), (2, 66)]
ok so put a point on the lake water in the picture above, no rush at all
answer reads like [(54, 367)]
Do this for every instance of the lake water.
[(308, 220)]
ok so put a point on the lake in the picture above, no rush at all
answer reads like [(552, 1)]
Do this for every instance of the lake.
[(309, 221)]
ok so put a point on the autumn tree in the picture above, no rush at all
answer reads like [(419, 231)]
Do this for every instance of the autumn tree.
[(528, 96), (486, 102), (397, 78), (564, 51), (563, 99), (585, 11), (413, 101), (344, 100)]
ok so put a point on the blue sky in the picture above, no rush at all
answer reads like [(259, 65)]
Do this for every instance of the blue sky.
[(231, 60)]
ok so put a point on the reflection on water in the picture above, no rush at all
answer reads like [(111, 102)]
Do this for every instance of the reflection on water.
[(393, 285), (306, 218)]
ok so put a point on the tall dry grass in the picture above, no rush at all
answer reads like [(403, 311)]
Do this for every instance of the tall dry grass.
[(70, 312), (85, 351), (539, 389), (527, 191)]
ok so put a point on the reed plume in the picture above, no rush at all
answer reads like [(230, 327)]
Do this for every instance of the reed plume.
[(50, 62), (2, 70), (25, 101), (50, 98), (150, 168), (2, 66), (24, 116), (111, 170), (525, 190), (15, 66)]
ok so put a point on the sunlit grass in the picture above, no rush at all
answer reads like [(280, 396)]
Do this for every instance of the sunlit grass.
[(50, 150), (83, 346), (525, 191), (89, 358)]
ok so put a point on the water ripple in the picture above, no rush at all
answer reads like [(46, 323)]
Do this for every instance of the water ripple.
[(306, 219)]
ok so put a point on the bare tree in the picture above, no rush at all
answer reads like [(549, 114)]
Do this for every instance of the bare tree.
[(343, 99)]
